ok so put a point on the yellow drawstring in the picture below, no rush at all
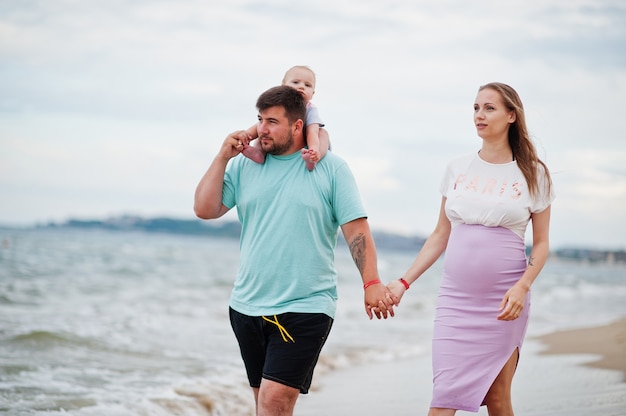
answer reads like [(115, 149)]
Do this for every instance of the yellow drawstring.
[(281, 328)]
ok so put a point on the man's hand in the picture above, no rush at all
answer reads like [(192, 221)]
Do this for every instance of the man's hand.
[(234, 144), (379, 301)]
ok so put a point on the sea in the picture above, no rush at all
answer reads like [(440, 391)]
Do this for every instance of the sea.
[(96, 322)]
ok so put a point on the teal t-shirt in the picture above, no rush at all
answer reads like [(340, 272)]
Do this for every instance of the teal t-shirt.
[(290, 218)]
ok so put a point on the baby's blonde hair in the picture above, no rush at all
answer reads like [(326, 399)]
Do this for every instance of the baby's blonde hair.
[(300, 67)]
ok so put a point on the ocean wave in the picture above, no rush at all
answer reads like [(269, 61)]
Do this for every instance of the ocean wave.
[(5, 300), (216, 399), (47, 337), (44, 340), (352, 357)]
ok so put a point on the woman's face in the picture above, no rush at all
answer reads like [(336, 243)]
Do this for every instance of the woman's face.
[(491, 117)]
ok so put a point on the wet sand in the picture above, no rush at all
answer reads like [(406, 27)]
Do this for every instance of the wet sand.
[(607, 342), (567, 373)]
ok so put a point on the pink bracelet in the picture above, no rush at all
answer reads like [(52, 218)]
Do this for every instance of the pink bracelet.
[(370, 283), (405, 283)]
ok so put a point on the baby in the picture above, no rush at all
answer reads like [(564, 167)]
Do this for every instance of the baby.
[(301, 78)]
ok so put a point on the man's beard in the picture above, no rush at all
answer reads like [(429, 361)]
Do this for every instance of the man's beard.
[(277, 149)]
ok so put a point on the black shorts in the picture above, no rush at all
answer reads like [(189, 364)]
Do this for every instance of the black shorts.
[(283, 348)]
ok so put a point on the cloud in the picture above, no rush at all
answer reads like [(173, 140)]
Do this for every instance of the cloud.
[(113, 106)]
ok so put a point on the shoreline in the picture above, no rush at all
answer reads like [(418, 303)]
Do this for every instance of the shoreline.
[(607, 341), (575, 372)]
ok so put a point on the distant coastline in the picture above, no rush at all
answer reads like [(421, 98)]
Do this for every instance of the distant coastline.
[(232, 229)]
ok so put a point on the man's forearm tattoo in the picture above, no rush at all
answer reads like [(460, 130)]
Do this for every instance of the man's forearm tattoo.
[(357, 250), (530, 261)]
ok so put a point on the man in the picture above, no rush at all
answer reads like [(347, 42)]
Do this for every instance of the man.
[(284, 297)]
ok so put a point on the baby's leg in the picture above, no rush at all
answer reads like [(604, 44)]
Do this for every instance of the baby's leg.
[(324, 144), (254, 152)]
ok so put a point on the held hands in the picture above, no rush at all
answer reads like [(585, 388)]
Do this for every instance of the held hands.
[(379, 300), (397, 289)]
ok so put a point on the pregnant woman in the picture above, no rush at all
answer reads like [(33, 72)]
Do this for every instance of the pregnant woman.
[(488, 199)]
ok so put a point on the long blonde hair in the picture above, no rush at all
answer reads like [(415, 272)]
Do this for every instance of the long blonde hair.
[(521, 145)]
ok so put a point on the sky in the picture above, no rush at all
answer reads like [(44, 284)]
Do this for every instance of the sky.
[(112, 108)]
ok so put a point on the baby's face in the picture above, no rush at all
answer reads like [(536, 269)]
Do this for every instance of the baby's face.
[(302, 80)]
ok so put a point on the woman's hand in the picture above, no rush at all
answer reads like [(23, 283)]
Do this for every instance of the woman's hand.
[(513, 302), (397, 289)]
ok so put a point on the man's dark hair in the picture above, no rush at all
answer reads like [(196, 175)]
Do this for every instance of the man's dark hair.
[(288, 98)]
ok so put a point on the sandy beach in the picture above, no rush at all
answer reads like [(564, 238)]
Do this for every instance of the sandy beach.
[(566, 373), (608, 343)]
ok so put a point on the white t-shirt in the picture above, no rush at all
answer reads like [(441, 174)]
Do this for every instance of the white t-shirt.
[(313, 115), (494, 195)]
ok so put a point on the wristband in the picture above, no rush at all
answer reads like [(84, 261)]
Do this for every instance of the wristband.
[(404, 283), (370, 283)]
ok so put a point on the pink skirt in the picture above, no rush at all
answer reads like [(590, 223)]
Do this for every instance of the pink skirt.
[(470, 346)]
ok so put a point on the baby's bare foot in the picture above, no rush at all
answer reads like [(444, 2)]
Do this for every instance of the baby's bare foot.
[(253, 153), (309, 157)]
